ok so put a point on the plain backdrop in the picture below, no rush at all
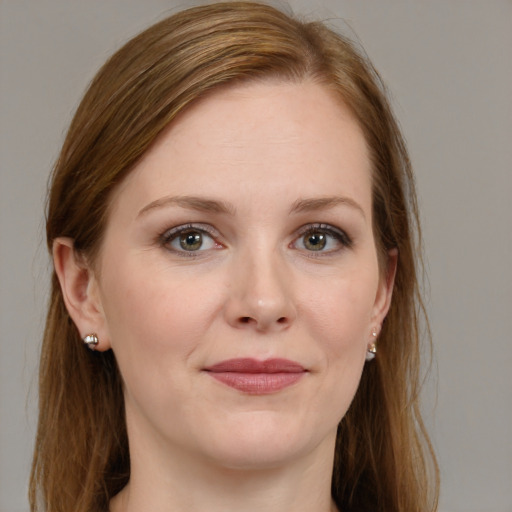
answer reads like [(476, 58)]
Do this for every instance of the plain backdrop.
[(448, 64)]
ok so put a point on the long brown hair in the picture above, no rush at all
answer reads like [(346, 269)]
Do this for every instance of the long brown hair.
[(383, 460)]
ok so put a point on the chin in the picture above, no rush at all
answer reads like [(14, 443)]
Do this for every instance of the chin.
[(263, 442)]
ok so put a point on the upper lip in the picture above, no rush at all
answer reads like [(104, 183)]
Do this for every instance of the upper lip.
[(249, 365)]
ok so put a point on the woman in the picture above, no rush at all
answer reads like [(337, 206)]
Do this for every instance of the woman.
[(232, 224)]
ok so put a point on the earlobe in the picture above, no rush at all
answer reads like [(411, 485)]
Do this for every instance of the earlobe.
[(80, 291), (385, 291)]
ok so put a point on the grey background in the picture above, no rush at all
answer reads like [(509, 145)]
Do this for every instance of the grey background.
[(449, 66)]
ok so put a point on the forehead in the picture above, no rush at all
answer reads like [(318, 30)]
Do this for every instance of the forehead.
[(295, 138)]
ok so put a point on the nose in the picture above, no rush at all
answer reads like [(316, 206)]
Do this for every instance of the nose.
[(261, 294)]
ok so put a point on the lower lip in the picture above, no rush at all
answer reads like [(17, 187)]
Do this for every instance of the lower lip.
[(257, 383)]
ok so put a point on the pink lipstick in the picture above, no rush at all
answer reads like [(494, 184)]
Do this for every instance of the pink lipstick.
[(257, 377)]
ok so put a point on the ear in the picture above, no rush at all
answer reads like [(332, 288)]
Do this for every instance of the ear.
[(385, 290), (80, 291)]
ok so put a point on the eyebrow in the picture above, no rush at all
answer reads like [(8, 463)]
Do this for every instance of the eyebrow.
[(212, 205), (325, 203), (201, 204)]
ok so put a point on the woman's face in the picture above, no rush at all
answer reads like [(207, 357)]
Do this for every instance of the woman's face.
[(238, 282)]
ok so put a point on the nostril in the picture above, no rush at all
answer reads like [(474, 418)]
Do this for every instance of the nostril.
[(263, 323)]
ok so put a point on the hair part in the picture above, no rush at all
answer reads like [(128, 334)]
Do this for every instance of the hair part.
[(383, 458)]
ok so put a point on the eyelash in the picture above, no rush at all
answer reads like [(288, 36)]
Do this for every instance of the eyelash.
[(172, 234), (166, 238), (337, 234)]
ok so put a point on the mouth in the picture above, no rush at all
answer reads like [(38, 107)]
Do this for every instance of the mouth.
[(256, 377)]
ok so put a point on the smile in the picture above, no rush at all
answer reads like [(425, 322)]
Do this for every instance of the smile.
[(257, 377)]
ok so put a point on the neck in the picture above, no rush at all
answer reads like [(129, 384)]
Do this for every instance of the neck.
[(178, 483)]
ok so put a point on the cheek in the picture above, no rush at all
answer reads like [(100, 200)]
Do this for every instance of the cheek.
[(154, 323), (342, 312), (157, 317), (337, 319), (343, 317)]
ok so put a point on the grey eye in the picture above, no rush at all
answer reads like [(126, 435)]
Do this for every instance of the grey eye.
[(314, 241), (322, 239), (191, 241)]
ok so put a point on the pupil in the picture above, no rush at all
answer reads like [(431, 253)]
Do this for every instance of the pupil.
[(191, 241), (315, 242)]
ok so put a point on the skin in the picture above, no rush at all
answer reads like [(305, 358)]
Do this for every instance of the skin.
[(269, 165)]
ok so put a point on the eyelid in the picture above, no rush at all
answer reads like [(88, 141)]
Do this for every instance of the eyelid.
[(204, 228)]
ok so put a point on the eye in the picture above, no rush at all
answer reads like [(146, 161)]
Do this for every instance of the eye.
[(188, 239), (315, 241), (322, 238)]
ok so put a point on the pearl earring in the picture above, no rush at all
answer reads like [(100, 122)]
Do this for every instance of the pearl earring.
[(91, 340), (372, 348)]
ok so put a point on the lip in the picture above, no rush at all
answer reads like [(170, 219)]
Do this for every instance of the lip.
[(257, 377)]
